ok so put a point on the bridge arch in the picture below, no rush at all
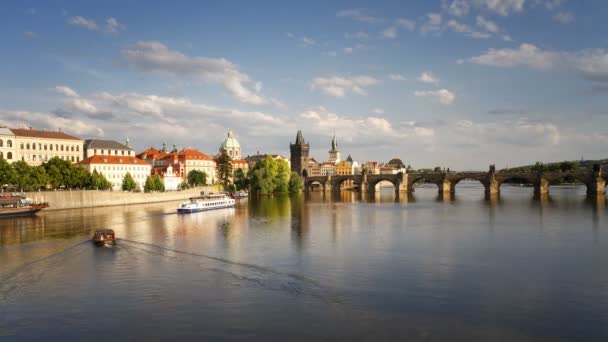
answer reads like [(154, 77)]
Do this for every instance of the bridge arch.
[(310, 184), (340, 182)]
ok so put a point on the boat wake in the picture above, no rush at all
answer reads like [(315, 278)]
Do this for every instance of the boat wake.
[(290, 283)]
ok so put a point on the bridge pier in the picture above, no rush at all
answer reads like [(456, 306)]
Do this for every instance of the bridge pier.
[(597, 185), (541, 186)]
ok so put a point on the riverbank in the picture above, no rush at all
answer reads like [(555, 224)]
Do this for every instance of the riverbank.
[(76, 199)]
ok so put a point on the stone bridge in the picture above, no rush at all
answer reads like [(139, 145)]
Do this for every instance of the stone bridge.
[(594, 180)]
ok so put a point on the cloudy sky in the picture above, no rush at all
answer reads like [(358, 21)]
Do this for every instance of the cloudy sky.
[(456, 83)]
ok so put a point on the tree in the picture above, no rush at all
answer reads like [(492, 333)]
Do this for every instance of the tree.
[(224, 168), (149, 185), (437, 169), (128, 183), (99, 181), (240, 179), (281, 181), (184, 186), (7, 173), (262, 176), (158, 183), (295, 182), (196, 177), (29, 177), (566, 166)]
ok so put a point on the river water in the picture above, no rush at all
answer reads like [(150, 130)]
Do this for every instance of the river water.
[(315, 267)]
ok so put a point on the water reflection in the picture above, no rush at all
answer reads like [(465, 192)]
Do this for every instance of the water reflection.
[(376, 266)]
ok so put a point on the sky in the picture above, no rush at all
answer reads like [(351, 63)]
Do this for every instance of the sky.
[(452, 83)]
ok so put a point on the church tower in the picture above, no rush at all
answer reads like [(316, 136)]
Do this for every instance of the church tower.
[(299, 154), (334, 153)]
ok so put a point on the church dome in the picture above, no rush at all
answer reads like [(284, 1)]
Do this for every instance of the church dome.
[(230, 142), (396, 163)]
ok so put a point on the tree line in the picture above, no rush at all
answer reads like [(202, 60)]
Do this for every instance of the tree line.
[(268, 176)]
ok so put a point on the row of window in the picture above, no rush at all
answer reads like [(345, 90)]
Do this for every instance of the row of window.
[(110, 152), (9, 155), (45, 147), (118, 168), (9, 143), (121, 176)]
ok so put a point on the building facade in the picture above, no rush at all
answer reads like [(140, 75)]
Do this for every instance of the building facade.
[(191, 159), (114, 168), (38, 146), (299, 154), (328, 169), (7, 142), (93, 147)]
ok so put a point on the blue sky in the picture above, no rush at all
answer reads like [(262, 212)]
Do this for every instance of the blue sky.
[(456, 83)]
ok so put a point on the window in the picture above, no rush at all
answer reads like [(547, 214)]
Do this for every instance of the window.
[(72, 149), (1, 143), (33, 146), (34, 157), (95, 152), (22, 146), (45, 147), (9, 155), (72, 159), (77, 148), (62, 147), (77, 159), (1, 155), (39, 146), (115, 152), (51, 147), (56, 147)]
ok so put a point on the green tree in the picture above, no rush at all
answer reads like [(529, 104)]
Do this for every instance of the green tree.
[(224, 168), (566, 166), (262, 176), (240, 179), (281, 181), (7, 173), (157, 183), (184, 186), (29, 177), (149, 185), (128, 183), (196, 178), (295, 182), (99, 181)]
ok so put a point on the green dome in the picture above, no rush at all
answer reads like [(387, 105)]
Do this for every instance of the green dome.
[(231, 142)]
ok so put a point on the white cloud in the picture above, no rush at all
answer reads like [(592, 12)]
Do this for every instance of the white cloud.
[(457, 8), (564, 17), (81, 105), (390, 33), (357, 35), (113, 26), (427, 77), (520, 132), (50, 121), (358, 14), (65, 91), (443, 96), (553, 4), (153, 56), (302, 41), (487, 25), (378, 111), (339, 86), (432, 23), (83, 22), (406, 24), (526, 54), (458, 27), (397, 77), (593, 64), (501, 7)]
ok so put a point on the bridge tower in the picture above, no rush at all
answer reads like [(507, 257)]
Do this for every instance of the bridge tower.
[(299, 155), (492, 184)]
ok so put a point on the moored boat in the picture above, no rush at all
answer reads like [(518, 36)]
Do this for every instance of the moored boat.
[(103, 236), (206, 202), (16, 204)]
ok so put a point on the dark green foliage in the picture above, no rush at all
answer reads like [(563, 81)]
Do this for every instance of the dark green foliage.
[(224, 168), (158, 183), (99, 181), (149, 185), (270, 176), (295, 182), (7, 173), (128, 183), (196, 178)]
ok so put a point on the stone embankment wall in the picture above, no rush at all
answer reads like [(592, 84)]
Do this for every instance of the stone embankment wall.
[(67, 199)]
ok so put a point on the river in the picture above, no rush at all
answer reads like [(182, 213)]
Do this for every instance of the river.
[(315, 267)]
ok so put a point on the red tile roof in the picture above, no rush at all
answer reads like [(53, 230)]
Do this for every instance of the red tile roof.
[(151, 153), (118, 160), (187, 154), (34, 133)]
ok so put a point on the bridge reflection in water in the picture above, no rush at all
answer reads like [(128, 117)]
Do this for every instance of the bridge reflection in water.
[(404, 182)]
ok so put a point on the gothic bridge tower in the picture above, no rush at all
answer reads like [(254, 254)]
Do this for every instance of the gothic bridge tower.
[(299, 155)]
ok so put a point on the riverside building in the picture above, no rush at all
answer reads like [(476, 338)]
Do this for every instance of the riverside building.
[(93, 147), (38, 146), (114, 168)]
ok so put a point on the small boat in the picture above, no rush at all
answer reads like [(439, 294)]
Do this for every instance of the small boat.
[(206, 202), (17, 204), (239, 194), (103, 236)]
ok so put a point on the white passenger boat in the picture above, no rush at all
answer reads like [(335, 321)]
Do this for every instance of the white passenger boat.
[(206, 202)]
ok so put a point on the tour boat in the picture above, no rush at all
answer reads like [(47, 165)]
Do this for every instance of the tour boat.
[(103, 236), (16, 204), (206, 202), (240, 194)]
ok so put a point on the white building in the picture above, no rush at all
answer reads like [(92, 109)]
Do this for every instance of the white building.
[(7, 142), (328, 168), (114, 168), (38, 146), (231, 146), (93, 147), (171, 179)]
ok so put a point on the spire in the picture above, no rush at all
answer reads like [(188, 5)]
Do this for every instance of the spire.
[(299, 138), (230, 135), (334, 143), (128, 142)]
